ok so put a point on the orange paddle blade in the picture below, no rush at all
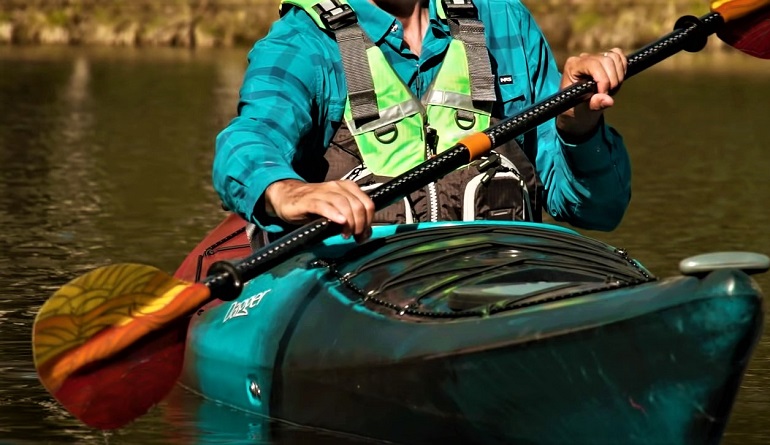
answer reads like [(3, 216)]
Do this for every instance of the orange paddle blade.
[(747, 25), (91, 329), (735, 9)]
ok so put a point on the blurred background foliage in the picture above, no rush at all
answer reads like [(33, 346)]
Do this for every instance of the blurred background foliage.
[(569, 24)]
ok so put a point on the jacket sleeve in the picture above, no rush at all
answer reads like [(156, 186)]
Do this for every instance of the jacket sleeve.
[(257, 147), (587, 185)]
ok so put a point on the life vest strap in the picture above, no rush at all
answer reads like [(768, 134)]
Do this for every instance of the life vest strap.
[(340, 19), (465, 26)]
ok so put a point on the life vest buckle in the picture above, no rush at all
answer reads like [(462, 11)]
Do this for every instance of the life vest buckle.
[(489, 167), (340, 17), (460, 9)]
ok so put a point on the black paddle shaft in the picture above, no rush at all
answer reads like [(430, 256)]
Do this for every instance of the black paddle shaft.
[(226, 279)]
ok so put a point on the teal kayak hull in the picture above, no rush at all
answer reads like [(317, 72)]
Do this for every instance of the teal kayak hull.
[(481, 333)]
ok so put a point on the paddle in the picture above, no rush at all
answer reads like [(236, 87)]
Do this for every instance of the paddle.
[(109, 344), (744, 28)]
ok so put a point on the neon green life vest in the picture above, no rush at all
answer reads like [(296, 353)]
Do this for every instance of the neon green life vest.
[(398, 138)]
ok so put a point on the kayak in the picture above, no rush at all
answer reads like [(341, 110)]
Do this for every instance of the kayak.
[(478, 332)]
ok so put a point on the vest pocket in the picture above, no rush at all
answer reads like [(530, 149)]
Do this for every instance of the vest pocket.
[(502, 197), (513, 97)]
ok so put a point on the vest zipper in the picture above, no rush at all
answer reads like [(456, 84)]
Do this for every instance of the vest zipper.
[(418, 83), (431, 148), (433, 195)]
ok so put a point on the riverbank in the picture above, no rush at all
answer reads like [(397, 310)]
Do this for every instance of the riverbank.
[(571, 25)]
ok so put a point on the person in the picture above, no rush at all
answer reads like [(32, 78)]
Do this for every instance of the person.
[(340, 79)]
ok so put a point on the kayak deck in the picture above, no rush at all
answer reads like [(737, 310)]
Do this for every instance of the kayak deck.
[(481, 333)]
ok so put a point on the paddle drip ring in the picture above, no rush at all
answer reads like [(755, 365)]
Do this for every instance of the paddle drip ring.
[(698, 38), (228, 279)]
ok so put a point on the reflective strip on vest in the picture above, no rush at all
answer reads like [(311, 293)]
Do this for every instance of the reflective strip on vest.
[(450, 109), (395, 143)]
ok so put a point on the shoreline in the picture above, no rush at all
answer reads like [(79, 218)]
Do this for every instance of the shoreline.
[(569, 25)]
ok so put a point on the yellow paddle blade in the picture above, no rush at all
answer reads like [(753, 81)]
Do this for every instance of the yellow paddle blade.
[(735, 9), (101, 313)]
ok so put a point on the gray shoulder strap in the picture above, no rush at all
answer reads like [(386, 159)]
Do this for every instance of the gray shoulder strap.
[(465, 26), (340, 19)]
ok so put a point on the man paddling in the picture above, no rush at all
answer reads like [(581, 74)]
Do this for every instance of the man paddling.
[(341, 96)]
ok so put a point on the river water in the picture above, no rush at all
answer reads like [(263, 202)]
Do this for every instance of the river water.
[(105, 157)]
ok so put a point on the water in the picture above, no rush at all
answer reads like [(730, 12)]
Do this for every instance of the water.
[(105, 157)]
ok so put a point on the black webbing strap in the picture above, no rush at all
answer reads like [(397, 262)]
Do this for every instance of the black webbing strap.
[(341, 20), (465, 26)]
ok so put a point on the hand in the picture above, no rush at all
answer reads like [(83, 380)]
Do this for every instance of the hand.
[(608, 70), (342, 202)]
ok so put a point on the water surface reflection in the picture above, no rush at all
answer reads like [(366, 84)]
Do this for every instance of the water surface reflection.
[(105, 157)]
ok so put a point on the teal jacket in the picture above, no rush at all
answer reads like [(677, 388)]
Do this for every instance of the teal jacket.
[(294, 92)]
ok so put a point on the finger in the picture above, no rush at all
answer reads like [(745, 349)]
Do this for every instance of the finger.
[(336, 209), (617, 67), (358, 213), (621, 67), (623, 62), (364, 236), (357, 217), (364, 199), (599, 102), (368, 212), (343, 203), (595, 68), (610, 69)]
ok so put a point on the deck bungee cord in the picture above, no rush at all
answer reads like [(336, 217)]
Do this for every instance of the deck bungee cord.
[(470, 256)]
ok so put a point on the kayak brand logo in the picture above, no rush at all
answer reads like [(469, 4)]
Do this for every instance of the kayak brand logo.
[(505, 80), (241, 308)]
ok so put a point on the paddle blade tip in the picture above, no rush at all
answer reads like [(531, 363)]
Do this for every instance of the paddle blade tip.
[(735, 9), (115, 392), (94, 341), (747, 25)]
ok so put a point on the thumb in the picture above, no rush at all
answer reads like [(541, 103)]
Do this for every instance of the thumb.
[(600, 102)]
